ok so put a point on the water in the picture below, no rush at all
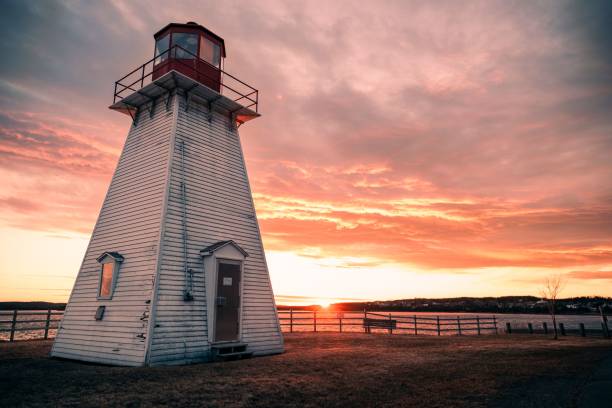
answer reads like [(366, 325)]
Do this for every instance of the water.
[(351, 322), (27, 319)]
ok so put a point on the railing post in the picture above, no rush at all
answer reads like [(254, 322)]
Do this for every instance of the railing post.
[(478, 324), (438, 322), (545, 327), (290, 320), (142, 77), (562, 328), (340, 320), (582, 330), (315, 321), (47, 324), (530, 328), (13, 324), (508, 328), (495, 323), (604, 323), (365, 318), (459, 325), (416, 331), (390, 329)]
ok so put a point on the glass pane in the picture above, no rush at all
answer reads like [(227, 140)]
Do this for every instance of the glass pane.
[(107, 279), (161, 46), (186, 41), (210, 52)]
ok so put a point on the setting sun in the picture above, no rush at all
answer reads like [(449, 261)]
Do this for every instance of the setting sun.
[(324, 303)]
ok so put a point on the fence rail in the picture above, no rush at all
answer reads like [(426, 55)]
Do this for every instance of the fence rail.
[(29, 324), (43, 324), (305, 320)]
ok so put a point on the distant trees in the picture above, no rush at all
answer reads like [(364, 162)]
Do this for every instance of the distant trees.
[(550, 293)]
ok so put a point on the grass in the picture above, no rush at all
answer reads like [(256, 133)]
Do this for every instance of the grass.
[(323, 369)]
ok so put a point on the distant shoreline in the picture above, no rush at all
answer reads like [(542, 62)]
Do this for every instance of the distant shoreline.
[(580, 306)]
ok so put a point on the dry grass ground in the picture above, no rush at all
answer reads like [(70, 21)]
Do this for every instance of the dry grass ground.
[(323, 370)]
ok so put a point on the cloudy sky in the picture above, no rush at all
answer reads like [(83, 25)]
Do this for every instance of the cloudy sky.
[(406, 149)]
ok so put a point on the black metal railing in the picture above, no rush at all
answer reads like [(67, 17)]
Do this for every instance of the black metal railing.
[(230, 86)]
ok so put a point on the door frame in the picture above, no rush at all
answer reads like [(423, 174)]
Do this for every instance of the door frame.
[(240, 294)]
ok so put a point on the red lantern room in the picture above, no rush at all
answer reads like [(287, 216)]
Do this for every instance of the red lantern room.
[(190, 49), (188, 62)]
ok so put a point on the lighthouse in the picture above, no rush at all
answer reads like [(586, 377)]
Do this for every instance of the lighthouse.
[(175, 270)]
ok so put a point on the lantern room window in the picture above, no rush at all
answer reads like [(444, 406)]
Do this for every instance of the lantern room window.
[(189, 42), (161, 48), (210, 52)]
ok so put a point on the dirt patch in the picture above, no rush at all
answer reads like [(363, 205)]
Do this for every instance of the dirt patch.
[(320, 370)]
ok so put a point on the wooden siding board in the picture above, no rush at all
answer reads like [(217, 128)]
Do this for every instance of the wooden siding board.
[(129, 223), (219, 207)]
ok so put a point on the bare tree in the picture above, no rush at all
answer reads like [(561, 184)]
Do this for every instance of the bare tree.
[(552, 288)]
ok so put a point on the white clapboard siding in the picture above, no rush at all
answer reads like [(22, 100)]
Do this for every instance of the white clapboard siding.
[(129, 223), (219, 207), (148, 321)]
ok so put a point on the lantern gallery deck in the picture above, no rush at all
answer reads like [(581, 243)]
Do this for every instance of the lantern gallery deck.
[(159, 91)]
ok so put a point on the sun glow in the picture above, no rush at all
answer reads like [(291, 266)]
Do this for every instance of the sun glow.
[(324, 303)]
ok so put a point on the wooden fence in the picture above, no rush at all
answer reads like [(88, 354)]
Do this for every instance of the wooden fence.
[(312, 321), (25, 320), (42, 324)]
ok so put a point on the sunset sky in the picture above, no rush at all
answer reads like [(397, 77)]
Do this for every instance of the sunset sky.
[(406, 149)]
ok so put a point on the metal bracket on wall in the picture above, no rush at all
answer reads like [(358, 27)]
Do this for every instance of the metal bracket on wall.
[(135, 114), (168, 100), (188, 96), (232, 121), (210, 104), (168, 96), (152, 108)]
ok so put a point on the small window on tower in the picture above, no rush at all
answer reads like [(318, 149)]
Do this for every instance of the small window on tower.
[(210, 52), (110, 262), (188, 44), (106, 281), (161, 48)]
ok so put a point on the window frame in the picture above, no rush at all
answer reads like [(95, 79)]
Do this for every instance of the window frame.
[(108, 259), (175, 53), (215, 47), (166, 54)]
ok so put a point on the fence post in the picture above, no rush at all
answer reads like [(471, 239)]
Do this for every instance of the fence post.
[(508, 328), (13, 324), (495, 323), (545, 327), (315, 321), (47, 324), (365, 318), (530, 327), (390, 329), (478, 324), (438, 322), (562, 328), (416, 331), (458, 325), (582, 330), (290, 320), (340, 318), (604, 323)]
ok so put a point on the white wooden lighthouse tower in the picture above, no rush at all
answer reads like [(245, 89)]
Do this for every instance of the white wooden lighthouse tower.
[(175, 271)]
